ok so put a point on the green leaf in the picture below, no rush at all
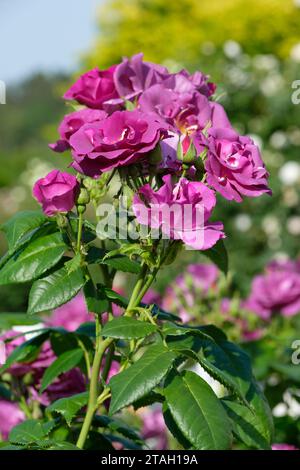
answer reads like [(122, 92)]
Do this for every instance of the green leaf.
[(74, 263), (95, 298), (60, 445), (252, 428), (70, 406), (149, 399), (30, 431), (26, 351), (19, 225), (122, 263), (160, 313), (115, 297), (113, 259), (118, 426), (198, 412), (223, 377), (127, 328), (64, 363), (10, 319), (140, 378), (31, 262), (218, 255), (54, 290), (235, 363), (174, 429)]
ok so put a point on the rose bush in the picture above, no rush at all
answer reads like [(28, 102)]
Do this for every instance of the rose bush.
[(146, 138)]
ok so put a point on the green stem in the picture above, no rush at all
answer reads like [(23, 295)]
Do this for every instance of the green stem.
[(108, 361), (95, 387), (79, 232), (136, 291)]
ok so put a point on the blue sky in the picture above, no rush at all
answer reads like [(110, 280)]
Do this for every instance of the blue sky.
[(44, 35)]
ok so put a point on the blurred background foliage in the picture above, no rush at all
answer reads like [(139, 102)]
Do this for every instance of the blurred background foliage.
[(251, 49)]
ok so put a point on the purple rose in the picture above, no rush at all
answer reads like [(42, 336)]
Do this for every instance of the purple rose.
[(72, 122), (95, 89), (176, 103), (152, 297), (276, 291), (70, 315), (57, 192), (154, 428), (200, 82), (133, 76), (284, 447), (234, 165), (123, 138), (10, 416), (180, 211)]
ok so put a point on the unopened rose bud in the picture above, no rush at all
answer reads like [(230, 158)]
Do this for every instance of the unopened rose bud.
[(81, 209), (84, 197)]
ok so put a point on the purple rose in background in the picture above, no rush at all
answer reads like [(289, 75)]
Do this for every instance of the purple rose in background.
[(181, 211), (132, 76), (247, 331), (284, 447), (123, 138), (234, 165), (189, 288), (10, 416), (154, 428), (17, 369), (72, 122), (152, 297), (94, 89), (57, 192), (276, 291), (70, 315)]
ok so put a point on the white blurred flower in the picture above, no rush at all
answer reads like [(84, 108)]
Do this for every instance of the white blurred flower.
[(289, 173), (293, 225), (294, 136), (292, 404), (271, 225), (18, 193), (271, 84), (278, 140), (280, 410), (243, 222), (265, 62), (290, 197), (297, 3), (30, 328), (295, 53), (36, 169), (237, 76), (232, 49)]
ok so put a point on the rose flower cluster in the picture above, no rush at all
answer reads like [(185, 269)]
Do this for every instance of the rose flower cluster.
[(163, 129)]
